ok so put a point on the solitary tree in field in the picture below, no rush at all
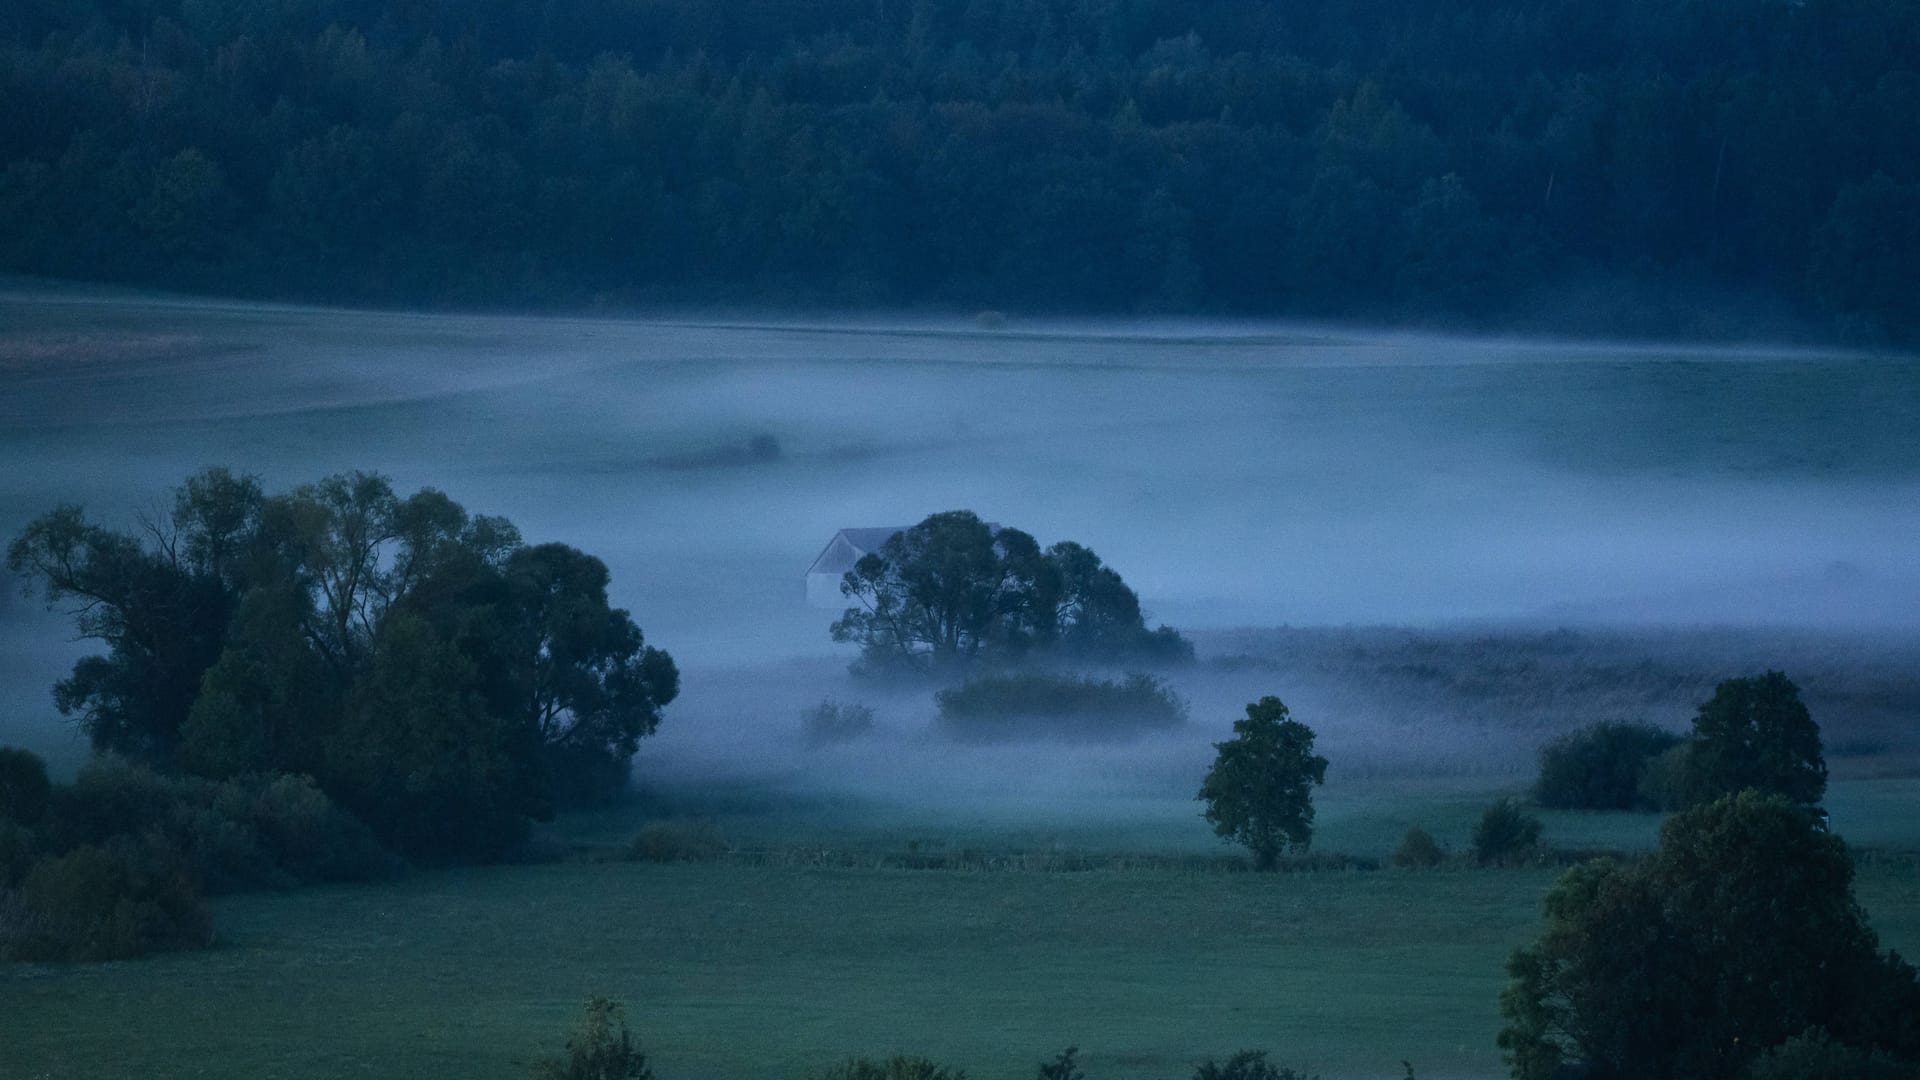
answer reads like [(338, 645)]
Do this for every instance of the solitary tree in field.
[(1259, 792)]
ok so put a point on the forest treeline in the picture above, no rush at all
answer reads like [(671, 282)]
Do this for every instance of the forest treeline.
[(1412, 159)]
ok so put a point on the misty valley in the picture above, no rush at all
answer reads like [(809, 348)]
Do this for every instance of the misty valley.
[(1208, 697)]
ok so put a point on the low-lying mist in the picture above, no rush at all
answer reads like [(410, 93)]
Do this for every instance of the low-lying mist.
[(1477, 495)]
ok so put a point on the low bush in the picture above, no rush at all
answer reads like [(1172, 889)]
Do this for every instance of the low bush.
[(1042, 705), (105, 903), (1505, 834), (24, 787), (307, 835), (1600, 767), (600, 1048), (1669, 781), (1815, 1055), (1418, 850), (831, 722), (1247, 1065), (253, 832), (677, 841), (899, 1067), (1063, 1067)]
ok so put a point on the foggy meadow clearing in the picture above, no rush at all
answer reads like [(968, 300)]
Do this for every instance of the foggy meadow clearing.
[(1485, 494)]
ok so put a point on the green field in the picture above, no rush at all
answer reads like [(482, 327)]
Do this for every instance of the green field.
[(737, 970)]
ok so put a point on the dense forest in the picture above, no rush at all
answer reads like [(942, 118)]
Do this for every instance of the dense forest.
[(1420, 160)]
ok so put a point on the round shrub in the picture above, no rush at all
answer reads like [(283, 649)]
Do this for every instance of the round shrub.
[(1599, 768), (1669, 781), (600, 1048), (1505, 834), (899, 1067), (108, 903), (24, 787), (1418, 850)]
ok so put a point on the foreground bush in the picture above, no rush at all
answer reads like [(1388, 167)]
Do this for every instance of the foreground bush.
[(600, 1048), (1040, 705), (1247, 1065), (1418, 850), (105, 904), (1600, 768), (898, 1067), (1505, 834)]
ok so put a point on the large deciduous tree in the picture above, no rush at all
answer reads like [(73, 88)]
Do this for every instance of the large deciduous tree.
[(1259, 791), (1756, 733), (160, 601), (433, 672), (1739, 933), (942, 594), (588, 683), (953, 591)]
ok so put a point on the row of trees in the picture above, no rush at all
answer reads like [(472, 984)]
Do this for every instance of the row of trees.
[(1408, 157), (953, 592), (441, 678)]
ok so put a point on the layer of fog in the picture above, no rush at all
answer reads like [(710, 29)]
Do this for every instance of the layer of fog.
[(1238, 475)]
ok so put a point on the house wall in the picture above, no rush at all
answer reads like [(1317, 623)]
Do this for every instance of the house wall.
[(823, 591)]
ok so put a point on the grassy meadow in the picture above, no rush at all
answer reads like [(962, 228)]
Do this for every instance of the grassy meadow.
[(763, 967)]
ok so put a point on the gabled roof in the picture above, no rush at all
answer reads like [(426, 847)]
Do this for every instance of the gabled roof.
[(847, 547)]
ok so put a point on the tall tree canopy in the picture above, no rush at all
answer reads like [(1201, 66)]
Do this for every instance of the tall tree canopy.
[(1464, 159), (1756, 733), (435, 673)]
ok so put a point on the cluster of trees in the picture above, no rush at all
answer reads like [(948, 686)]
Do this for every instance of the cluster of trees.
[(1735, 951), (1409, 157), (1753, 734), (953, 592), (440, 678)]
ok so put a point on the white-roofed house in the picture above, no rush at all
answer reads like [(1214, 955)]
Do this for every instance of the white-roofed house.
[(846, 548)]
